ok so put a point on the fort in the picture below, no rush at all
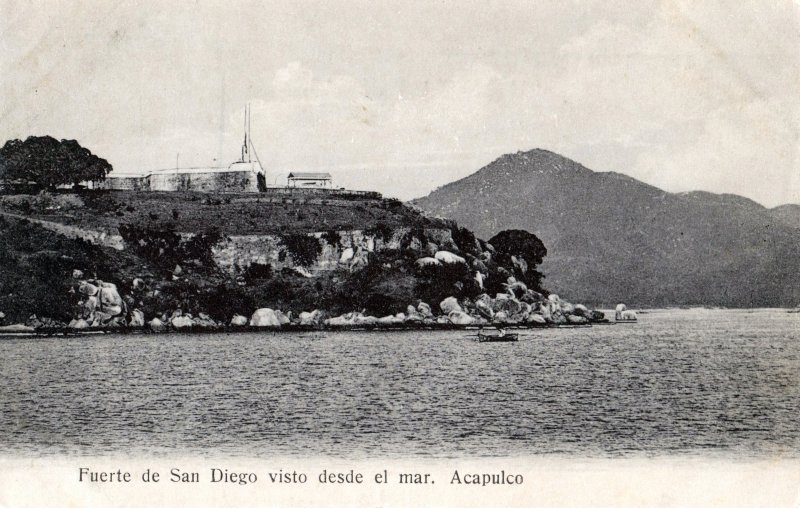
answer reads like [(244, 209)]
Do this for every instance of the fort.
[(244, 175)]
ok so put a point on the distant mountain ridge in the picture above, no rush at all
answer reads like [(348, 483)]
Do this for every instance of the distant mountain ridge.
[(611, 238)]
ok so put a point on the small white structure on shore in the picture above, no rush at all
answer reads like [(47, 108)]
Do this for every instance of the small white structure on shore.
[(623, 314)]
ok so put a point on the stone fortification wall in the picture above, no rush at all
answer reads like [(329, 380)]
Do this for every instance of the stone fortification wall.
[(222, 181), (229, 181)]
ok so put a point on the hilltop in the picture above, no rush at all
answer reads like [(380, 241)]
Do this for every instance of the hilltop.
[(613, 238)]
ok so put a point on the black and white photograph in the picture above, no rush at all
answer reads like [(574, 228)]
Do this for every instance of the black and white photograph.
[(378, 253)]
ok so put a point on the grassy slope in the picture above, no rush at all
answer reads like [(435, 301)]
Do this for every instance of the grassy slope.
[(237, 214)]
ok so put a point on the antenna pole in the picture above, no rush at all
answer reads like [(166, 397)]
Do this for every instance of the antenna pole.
[(249, 137)]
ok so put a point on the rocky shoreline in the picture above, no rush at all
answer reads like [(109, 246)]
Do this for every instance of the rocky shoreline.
[(101, 308)]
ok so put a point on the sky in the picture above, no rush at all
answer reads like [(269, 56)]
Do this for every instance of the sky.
[(402, 97)]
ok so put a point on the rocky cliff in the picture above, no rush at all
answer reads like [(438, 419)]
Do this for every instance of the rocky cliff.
[(405, 269)]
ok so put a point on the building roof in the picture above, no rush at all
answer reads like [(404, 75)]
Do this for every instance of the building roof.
[(309, 176)]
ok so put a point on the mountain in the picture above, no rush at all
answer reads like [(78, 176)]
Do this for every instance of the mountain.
[(788, 214), (611, 238)]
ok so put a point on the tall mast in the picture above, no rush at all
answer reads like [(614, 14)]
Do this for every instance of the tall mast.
[(247, 142)]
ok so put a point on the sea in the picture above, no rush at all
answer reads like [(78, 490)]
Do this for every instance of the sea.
[(692, 382)]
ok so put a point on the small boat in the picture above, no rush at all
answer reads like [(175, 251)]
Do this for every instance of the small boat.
[(497, 337)]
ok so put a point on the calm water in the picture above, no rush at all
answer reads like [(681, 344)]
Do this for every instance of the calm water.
[(678, 382)]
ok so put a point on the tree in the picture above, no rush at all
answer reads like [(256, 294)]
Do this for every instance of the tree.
[(49, 162), (521, 245)]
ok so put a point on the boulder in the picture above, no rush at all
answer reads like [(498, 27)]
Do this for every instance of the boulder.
[(313, 318), (479, 279), (546, 313), (531, 296), (182, 322), (581, 310), (362, 320), (78, 324), (422, 262), (516, 289), (458, 317), (521, 314), (480, 266), (449, 258), (535, 318), (116, 322), (344, 320), (596, 315), (88, 289), (431, 249), (391, 320), (576, 320), (137, 319), (99, 319), (283, 319), (266, 318), (90, 305), (500, 317), (77, 274), (450, 304), (414, 317), (203, 320), (157, 325), (557, 317), (554, 299), (238, 320), (425, 310), (621, 307), (109, 296), (567, 308), (347, 255), (112, 310), (509, 305), (483, 304)]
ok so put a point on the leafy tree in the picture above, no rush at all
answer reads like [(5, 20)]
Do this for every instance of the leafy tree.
[(50, 162), (522, 245)]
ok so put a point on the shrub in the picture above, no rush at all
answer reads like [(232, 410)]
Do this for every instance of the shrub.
[(380, 230), (257, 271), (333, 238), (304, 249)]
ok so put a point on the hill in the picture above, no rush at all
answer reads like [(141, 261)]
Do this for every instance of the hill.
[(612, 238), (188, 260)]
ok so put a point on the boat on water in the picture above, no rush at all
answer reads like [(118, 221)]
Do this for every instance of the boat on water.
[(497, 337)]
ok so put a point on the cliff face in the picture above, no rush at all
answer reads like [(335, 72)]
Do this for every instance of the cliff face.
[(612, 238), (338, 249)]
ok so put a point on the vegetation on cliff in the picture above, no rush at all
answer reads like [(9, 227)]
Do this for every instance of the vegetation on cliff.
[(167, 270)]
